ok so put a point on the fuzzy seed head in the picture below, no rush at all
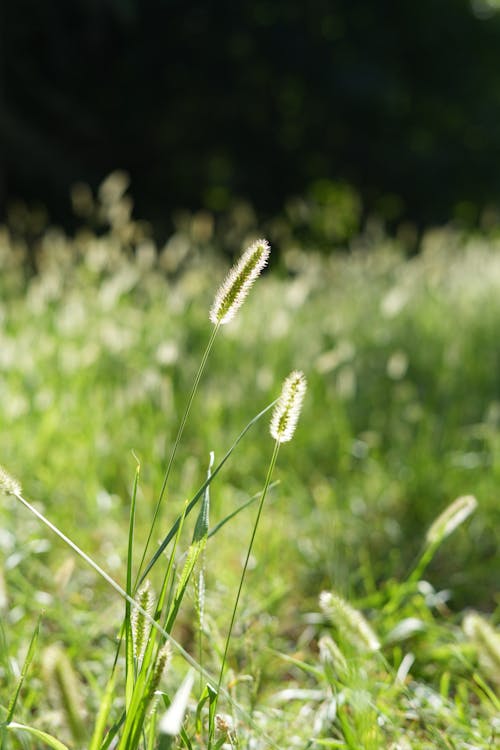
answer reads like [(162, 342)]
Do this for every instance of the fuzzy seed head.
[(238, 282), (8, 484), (140, 625), (162, 662), (330, 654), (450, 518), (349, 621), (287, 411), (487, 641), (200, 600)]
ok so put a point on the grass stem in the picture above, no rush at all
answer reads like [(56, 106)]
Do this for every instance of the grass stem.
[(270, 470), (156, 625), (180, 431)]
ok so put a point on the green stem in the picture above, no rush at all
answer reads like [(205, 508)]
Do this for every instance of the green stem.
[(173, 531), (423, 562), (240, 587), (114, 585), (176, 443), (408, 586), (156, 625)]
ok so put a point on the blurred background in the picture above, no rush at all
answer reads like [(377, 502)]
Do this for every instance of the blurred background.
[(143, 139), (389, 109)]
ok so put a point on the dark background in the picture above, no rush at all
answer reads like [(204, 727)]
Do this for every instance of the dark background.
[(203, 102)]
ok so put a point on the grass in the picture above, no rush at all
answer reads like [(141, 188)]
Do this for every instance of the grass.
[(98, 352)]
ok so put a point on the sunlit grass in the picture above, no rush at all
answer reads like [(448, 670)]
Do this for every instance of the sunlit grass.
[(98, 352)]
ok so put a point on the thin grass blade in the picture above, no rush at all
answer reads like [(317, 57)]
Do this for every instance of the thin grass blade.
[(166, 541), (27, 662), (239, 509), (129, 648), (47, 739), (102, 719)]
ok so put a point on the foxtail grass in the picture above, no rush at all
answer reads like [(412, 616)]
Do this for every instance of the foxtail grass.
[(487, 642), (149, 619), (237, 284), (350, 622), (450, 519), (154, 660), (453, 516), (282, 427), (287, 410), (228, 300), (9, 485)]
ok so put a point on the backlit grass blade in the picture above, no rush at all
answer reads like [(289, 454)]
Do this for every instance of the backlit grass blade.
[(83, 555), (27, 662), (197, 546), (129, 647), (170, 569), (228, 300), (131, 714), (102, 719), (238, 510), (176, 444), (148, 682), (166, 541), (283, 423), (445, 524), (46, 739)]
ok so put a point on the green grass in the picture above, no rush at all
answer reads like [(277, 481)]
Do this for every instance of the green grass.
[(98, 353)]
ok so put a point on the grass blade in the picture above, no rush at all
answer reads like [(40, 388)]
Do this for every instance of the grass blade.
[(177, 441), (129, 648), (47, 739), (239, 509), (27, 662), (166, 541), (197, 546), (103, 714)]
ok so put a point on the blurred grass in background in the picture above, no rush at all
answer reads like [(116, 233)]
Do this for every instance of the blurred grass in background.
[(100, 341), (99, 346)]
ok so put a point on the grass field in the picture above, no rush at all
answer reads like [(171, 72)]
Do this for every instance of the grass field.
[(99, 349)]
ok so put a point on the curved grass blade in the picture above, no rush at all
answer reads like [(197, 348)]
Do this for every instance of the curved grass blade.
[(103, 714), (238, 510), (200, 494), (129, 651), (156, 625), (196, 548), (177, 442), (24, 670), (47, 739)]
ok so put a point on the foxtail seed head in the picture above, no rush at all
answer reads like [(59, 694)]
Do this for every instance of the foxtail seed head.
[(140, 627), (349, 621), (487, 641), (451, 518), (287, 411), (238, 282), (8, 484), (331, 655), (162, 662)]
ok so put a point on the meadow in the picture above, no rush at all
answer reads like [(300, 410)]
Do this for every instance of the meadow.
[(362, 623)]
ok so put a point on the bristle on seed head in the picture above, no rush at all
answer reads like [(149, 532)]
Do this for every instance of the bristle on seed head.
[(237, 284), (287, 410), (139, 624), (8, 484), (349, 621), (452, 516)]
